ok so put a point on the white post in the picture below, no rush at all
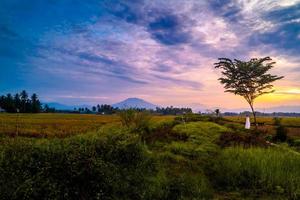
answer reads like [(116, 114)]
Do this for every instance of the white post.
[(247, 124)]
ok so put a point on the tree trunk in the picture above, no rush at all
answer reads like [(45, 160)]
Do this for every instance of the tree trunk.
[(254, 116)]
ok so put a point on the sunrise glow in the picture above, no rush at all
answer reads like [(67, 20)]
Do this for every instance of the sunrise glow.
[(88, 52)]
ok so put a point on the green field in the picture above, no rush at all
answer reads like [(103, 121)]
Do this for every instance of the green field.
[(78, 156)]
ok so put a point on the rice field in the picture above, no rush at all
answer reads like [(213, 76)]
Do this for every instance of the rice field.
[(292, 124), (286, 121), (57, 125)]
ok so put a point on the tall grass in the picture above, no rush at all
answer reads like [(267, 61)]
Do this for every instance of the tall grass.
[(264, 170)]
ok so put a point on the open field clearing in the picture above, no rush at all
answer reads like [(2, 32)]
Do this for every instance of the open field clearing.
[(57, 125)]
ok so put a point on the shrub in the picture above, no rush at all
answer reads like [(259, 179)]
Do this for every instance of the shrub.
[(112, 166)]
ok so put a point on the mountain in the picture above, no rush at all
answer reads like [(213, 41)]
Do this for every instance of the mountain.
[(134, 103)]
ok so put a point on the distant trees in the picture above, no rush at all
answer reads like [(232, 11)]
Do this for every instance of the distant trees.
[(106, 109), (248, 79), (21, 102), (173, 111)]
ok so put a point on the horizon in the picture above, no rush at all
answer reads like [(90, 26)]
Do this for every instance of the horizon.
[(202, 108), (90, 52)]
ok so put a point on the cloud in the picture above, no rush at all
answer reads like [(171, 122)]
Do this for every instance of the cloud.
[(159, 48), (168, 29), (282, 34)]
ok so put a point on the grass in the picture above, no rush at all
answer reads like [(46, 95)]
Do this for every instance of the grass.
[(268, 170)]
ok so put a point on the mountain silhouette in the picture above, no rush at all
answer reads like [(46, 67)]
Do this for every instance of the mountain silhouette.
[(134, 103)]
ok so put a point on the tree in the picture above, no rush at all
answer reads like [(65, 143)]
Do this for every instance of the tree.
[(35, 104), (94, 108), (248, 79), (217, 111), (24, 101), (17, 101), (9, 104), (46, 108)]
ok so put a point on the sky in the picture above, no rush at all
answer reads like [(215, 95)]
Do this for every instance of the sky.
[(103, 51)]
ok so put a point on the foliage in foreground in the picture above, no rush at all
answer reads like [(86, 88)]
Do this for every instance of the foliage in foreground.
[(114, 166), (268, 170)]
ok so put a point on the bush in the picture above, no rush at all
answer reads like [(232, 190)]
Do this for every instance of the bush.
[(258, 169)]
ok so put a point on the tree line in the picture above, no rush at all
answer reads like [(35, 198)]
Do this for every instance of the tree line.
[(20, 102), (108, 109), (24, 103)]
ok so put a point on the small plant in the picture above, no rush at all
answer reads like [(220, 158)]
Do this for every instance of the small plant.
[(137, 121), (281, 131), (127, 117)]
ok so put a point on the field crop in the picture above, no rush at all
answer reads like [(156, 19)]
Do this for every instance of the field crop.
[(57, 125), (51, 125)]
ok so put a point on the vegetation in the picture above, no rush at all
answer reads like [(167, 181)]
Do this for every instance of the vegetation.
[(137, 155), (173, 111), (248, 79)]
